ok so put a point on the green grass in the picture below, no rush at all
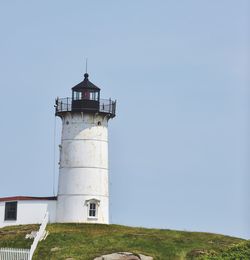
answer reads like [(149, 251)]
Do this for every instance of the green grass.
[(240, 251), (86, 241), (15, 236)]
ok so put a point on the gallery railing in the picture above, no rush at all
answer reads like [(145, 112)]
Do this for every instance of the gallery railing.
[(105, 106)]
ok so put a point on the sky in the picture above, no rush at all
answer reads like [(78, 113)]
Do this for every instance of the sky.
[(179, 70)]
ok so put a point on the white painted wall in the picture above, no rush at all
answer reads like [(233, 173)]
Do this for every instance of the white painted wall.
[(30, 212), (83, 172)]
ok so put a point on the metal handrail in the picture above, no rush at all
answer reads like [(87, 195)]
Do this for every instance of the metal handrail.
[(105, 105)]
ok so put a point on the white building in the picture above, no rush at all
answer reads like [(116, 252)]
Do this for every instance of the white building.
[(83, 192)]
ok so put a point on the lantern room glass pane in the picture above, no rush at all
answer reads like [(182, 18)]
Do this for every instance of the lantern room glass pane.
[(77, 95), (86, 94), (94, 96)]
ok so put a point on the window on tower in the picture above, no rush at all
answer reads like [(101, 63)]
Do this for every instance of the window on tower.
[(86, 95), (77, 95), (92, 206), (10, 210), (92, 209), (94, 96)]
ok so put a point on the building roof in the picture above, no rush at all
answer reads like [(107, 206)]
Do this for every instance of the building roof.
[(85, 84), (15, 198)]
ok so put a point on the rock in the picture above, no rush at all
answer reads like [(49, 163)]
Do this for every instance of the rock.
[(32, 235), (124, 256), (54, 249)]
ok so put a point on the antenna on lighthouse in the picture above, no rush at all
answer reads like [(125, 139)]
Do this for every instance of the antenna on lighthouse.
[(86, 65)]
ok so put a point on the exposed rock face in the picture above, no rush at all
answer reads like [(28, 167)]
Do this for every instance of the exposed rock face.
[(124, 256)]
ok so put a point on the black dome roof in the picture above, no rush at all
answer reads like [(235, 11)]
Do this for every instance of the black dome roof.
[(85, 84)]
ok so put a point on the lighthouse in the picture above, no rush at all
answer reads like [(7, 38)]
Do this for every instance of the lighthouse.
[(83, 185)]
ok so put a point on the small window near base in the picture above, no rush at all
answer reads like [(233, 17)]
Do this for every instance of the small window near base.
[(10, 210), (92, 210)]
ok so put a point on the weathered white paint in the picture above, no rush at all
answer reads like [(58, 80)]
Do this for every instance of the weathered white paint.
[(30, 212), (83, 172)]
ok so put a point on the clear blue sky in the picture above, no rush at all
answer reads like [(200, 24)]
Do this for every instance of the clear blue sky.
[(179, 147)]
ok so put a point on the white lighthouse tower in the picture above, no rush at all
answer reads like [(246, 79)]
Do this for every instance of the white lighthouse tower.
[(83, 187)]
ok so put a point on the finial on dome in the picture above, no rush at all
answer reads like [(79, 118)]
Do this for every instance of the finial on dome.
[(86, 75)]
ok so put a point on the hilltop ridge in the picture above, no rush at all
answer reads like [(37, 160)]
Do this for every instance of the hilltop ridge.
[(87, 241)]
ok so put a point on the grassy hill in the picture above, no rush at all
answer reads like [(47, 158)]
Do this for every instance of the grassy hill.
[(85, 241)]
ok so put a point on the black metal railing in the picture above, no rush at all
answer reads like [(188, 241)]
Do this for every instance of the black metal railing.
[(105, 106)]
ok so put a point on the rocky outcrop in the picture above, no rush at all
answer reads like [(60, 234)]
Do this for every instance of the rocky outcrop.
[(124, 256)]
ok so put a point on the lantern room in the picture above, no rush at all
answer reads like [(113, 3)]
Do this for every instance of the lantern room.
[(85, 96)]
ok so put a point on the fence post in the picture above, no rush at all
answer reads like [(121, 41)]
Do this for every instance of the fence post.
[(39, 235)]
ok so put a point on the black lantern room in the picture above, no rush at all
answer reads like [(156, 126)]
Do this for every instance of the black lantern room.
[(85, 96)]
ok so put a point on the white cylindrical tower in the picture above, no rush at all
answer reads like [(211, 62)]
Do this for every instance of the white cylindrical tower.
[(83, 192)]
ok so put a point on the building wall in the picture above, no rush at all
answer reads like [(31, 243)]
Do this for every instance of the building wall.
[(83, 173), (30, 212), (75, 209)]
